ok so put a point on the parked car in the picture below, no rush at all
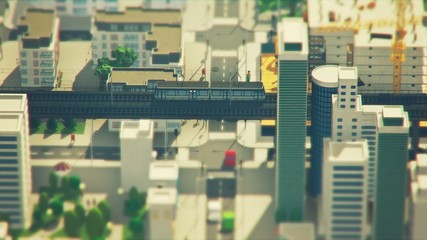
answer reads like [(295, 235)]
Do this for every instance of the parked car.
[(230, 158), (214, 211)]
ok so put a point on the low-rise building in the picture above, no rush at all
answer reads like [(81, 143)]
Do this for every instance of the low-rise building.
[(39, 48), (164, 174), (161, 212)]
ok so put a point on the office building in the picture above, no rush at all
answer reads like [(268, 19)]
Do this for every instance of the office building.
[(391, 174), (161, 212), (136, 151), (76, 7), (291, 118), (164, 174), (324, 84), (418, 197), (344, 197), (38, 48), (15, 169), (371, 36), (154, 35)]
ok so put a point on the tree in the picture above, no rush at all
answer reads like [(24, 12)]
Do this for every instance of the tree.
[(102, 71), (104, 207), (43, 202), (35, 123), (70, 123), (81, 212), (135, 225), (74, 182), (124, 57), (57, 206), (37, 216), (65, 186), (133, 204), (71, 223), (53, 180), (51, 124), (95, 223)]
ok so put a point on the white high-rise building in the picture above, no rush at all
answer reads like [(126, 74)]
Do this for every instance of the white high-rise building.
[(15, 169), (38, 48), (418, 197), (344, 195), (136, 151), (161, 212), (154, 35)]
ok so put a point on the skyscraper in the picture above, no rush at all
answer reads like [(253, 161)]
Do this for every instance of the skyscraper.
[(391, 173), (344, 201), (291, 118), (15, 169), (325, 83)]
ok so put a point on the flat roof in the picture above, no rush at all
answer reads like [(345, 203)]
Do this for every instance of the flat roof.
[(10, 122), (136, 129), (162, 196), (140, 76), (296, 231), (347, 73), (326, 76), (39, 21), (13, 102), (163, 170), (293, 31), (348, 151), (168, 38), (393, 112), (140, 15)]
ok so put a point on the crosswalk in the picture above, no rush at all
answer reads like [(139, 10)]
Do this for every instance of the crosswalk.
[(222, 135), (224, 53)]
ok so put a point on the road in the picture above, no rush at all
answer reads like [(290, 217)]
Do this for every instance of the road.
[(227, 8), (224, 68), (56, 152)]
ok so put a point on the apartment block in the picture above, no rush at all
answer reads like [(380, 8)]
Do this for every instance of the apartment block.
[(38, 48), (15, 169), (344, 196), (291, 118), (154, 35)]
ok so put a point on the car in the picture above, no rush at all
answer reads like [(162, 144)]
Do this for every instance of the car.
[(230, 158), (214, 211)]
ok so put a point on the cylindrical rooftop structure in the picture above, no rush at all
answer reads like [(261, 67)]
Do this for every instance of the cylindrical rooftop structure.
[(325, 83)]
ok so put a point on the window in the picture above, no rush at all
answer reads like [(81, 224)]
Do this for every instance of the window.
[(24, 63), (348, 168), (352, 99), (353, 134), (114, 37), (369, 75), (339, 134), (35, 54), (36, 81), (104, 46), (343, 93), (104, 37), (35, 63), (353, 86), (414, 58), (339, 127), (36, 72), (353, 93), (346, 214), (8, 146), (348, 184), (342, 99), (113, 46), (413, 66), (342, 106), (369, 66), (8, 154), (370, 48), (61, 8), (343, 86), (114, 27), (347, 199), (339, 119), (24, 72), (347, 206), (349, 176), (352, 106), (354, 120), (24, 80), (354, 127), (370, 57), (8, 139), (23, 54)]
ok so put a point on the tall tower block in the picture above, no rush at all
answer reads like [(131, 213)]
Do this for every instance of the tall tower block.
[(291, 119), (325, 83)]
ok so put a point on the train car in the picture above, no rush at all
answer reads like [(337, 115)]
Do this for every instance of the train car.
[(171, 90), (237, 91)]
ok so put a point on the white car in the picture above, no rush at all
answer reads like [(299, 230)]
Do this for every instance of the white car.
[(214, 211)]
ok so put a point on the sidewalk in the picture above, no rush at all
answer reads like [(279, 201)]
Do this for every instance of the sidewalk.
[(101, 138), (249, 135), (190, 221)]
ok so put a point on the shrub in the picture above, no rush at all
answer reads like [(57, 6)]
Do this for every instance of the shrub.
[(57, 206), (51, 124), (135, 225), (95, 223), (71, 223)]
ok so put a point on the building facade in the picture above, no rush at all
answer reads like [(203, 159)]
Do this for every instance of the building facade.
[(161, 212), (324, 84), (418, 197), (291, 119), (136, 151), (76, 7), (344, 198), (15, 168), (391, 174), (155, 37), (38, 48)]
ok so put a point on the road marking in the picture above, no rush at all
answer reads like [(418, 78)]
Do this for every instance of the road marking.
[(223, 67), (49, 153), (66, 153), (34, 153)]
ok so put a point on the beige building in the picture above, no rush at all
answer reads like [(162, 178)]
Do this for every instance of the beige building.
[(39, 48)]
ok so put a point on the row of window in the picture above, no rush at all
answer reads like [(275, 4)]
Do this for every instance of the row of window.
[(348, 184), (347, 191), (9, 184), (347, 199), (8, 146), (348, 176), (348, 168), (8, 161), (9, 169), (354, 134), (9, 191), (346, 214), (347, 206), (352, 120), (8, 176)]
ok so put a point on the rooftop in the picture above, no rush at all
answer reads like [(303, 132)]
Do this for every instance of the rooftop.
[(136, 129), (393, 112), (166, 196), (13, 102), (348, 151), (168, 38), (164, 170), (293, 36), (294, 231), (140, 15), (347, 73), (326, 76), (10, 122), (39, 23), (140, 76)]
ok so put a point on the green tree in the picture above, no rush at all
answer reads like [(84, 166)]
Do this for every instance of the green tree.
[(71, 223), (135, 225), (37, 216), (74, 182), (104, 207), (95, 223), (81, 212), (51, 124), (53, 180), (43, 202), (65, 186), (35, 123), (124, 57), (57, 206), (133, 204), (70, 123)]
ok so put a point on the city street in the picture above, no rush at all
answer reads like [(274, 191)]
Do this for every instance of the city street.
[(227, 8), (70, 152)]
